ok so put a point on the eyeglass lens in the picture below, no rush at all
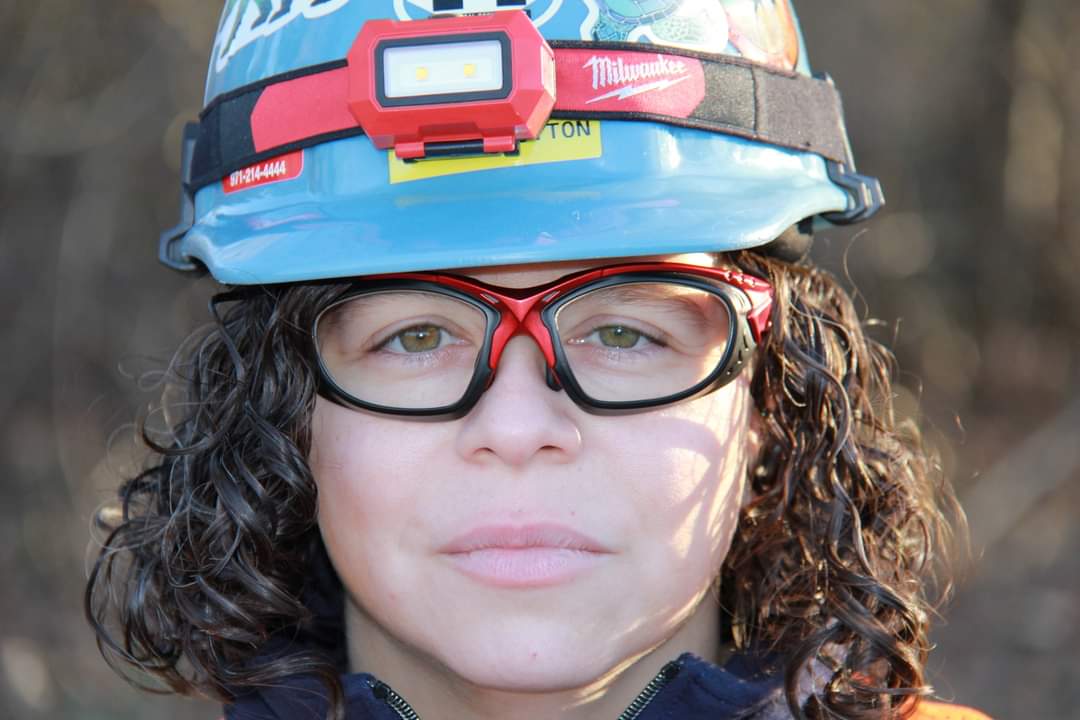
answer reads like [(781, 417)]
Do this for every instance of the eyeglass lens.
[(632, 342)]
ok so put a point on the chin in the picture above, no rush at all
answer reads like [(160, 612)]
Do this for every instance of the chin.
[(531, 676), (548, 660)]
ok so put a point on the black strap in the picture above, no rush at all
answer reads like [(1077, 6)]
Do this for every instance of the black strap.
[(746, 99), (742, 98), (224, 143)]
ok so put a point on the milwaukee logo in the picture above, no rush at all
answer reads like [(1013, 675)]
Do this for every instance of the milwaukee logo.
[(606, 71)]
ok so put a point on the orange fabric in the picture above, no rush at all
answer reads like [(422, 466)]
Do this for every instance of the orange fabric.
[(929, 710)]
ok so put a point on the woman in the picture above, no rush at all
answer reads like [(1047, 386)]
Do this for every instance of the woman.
[(524, 401)]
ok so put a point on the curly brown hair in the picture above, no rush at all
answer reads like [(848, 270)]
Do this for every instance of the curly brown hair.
[(207, 573)]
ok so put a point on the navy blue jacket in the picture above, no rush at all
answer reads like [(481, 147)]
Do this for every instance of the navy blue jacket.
[(694, 689)]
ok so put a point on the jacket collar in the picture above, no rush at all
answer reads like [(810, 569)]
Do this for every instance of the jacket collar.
[(743, 689)]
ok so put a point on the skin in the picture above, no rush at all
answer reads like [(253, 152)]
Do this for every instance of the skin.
[(661, 489)]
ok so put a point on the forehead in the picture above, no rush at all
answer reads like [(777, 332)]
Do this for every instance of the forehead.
[(533, 274)]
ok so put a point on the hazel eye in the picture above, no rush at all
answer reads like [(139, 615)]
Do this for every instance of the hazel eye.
[(619, 336), (418, 339)]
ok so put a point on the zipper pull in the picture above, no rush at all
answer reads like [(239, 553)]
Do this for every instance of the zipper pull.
[(384, 692), (667, 673)]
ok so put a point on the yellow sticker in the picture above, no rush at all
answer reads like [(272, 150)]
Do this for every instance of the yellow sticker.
[(559, 141)]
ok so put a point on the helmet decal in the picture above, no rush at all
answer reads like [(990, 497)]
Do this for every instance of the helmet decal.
[(540, 10), (693, 24), (759, 30), (765, 31), (245, 21)]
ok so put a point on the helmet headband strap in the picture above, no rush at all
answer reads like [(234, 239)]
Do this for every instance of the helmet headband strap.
[(595, 80)]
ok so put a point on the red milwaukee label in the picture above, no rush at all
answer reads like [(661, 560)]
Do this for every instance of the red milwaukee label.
[(282, 167), (621, 81)]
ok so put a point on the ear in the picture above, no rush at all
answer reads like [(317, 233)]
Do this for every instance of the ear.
[(755, 440), (757, 436)]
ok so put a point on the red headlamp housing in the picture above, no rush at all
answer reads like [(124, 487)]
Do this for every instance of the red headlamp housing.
[(426, 87)]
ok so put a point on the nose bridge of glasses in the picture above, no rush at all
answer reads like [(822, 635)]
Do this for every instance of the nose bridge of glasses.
[(520, 318)]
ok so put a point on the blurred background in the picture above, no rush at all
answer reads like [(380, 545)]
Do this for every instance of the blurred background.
[(968, 110)]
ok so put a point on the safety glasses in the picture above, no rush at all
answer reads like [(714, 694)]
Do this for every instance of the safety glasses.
[(617, 339)]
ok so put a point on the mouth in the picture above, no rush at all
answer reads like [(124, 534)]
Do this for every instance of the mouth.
[(529, 556)]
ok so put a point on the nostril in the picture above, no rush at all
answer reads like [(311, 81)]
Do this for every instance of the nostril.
[(552, 380)]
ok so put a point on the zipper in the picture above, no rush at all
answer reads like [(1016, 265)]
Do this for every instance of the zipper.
[(384, 692), (646, 696), (397, 703)]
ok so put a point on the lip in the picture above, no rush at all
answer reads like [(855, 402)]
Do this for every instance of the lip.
[(526, 556)]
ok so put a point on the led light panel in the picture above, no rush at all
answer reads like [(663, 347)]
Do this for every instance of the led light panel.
[(442, 69)]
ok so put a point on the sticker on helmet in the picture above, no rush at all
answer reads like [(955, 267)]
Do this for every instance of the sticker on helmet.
[(694, 24), (540, 10), (765, 31), (277, 169), (559, 141), (245, 21), (759, 30)]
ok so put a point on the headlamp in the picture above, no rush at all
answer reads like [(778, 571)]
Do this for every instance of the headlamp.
[(450, 84)]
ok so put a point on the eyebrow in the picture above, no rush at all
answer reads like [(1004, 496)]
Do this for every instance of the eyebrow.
[(645, 291)]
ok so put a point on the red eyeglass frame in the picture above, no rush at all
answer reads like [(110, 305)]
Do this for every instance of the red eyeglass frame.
[(530, 311)]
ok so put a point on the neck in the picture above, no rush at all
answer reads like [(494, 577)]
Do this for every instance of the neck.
[(436, 692)]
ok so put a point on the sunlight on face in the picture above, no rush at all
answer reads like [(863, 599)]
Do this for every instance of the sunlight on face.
[(530, 546)]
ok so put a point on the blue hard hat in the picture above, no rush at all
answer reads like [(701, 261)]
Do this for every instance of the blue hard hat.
[(761, 151)]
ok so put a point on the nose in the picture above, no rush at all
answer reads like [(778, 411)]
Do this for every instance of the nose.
[(518, 418)]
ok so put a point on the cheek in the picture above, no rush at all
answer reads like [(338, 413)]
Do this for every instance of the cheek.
[(373, 463), (342, 464), (692, 469), (349, 506), (370, 496)]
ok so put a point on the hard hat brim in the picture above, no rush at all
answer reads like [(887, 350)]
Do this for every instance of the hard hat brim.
[(500, 217)]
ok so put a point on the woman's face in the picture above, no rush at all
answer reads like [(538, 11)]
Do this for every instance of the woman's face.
[(625, 521)]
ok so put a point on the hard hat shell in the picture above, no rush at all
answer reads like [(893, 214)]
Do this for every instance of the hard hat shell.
[(615, 188)]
